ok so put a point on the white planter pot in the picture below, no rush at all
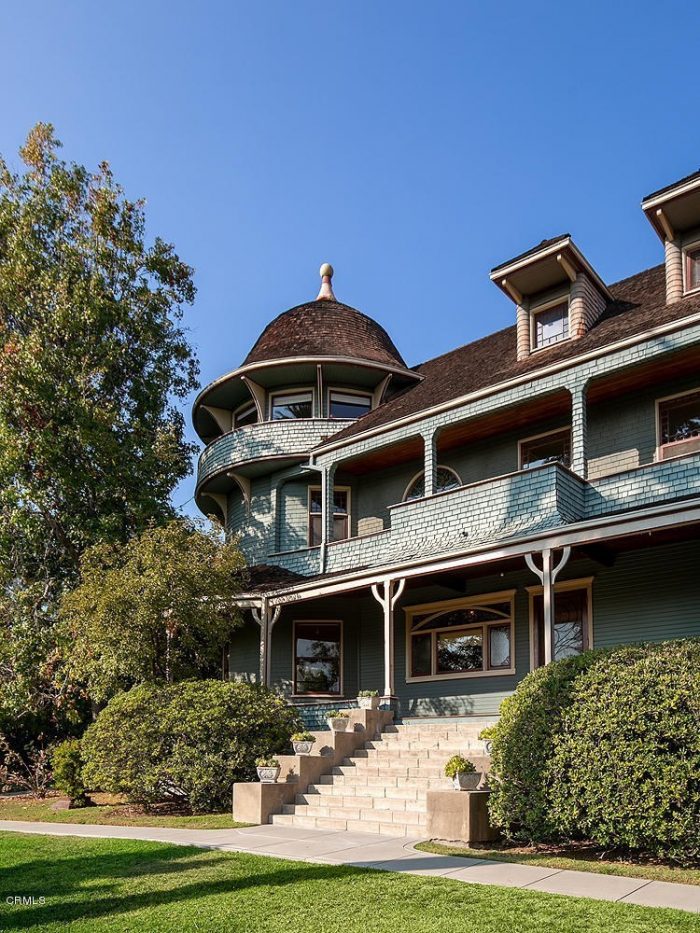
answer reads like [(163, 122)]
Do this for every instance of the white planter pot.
[(339, 724), (268, 775), (467, 780), (303, 748), (368, 702)]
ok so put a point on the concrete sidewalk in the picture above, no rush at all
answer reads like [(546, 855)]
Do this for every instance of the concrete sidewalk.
[(367, 850)]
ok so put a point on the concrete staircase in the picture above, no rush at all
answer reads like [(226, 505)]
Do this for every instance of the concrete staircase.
[(382, 787)]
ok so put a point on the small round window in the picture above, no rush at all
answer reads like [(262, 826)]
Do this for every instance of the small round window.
[(446, 479)]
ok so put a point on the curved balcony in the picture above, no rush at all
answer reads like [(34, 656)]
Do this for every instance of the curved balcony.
[(246, 448)]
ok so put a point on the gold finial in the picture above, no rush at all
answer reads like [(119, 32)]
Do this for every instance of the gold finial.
[(326, 291)]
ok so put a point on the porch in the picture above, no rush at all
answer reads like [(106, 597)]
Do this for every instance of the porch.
[(455, 641)]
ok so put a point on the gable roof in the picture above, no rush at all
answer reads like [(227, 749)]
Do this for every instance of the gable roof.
[(639, 303)]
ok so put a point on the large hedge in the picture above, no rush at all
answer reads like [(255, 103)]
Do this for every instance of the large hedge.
[(606, 748), (626, 768), (523, 743), (187, 742)]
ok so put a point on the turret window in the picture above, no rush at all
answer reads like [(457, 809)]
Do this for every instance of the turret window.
[(248, 414), (550, 324), (348, 405), (289, 406)]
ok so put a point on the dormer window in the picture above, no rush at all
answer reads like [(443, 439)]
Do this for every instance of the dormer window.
[(692, 268), (550, 324)]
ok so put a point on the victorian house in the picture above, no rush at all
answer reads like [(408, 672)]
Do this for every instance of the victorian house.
[(435, 532)]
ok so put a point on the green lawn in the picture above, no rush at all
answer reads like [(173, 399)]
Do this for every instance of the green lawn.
[(111, 811), (580, 860), (109, 884)]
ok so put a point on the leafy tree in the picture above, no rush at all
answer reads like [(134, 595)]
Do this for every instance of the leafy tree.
[(153, 609), (92, 362)]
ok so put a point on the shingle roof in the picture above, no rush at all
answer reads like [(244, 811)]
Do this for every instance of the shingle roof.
[(675, 184), (262, 577), (530, 252), (639, 304), (325, 328)]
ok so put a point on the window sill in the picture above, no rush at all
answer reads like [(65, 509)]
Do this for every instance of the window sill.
[(471, 676)]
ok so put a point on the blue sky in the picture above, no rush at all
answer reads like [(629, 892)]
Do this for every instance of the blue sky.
[(413, 145)]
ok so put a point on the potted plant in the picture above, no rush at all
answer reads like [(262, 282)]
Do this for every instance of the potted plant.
[(463, 773), (368, 699), (268, 770), (337, 720), (302, 742)]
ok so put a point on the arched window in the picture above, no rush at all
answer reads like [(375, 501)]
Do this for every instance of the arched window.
[(446, 479)]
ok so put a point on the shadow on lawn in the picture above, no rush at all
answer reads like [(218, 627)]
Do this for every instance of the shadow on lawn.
[(76, 877)]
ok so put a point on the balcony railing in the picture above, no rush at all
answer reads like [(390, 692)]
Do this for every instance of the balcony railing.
[(501, 509), (267, 439)]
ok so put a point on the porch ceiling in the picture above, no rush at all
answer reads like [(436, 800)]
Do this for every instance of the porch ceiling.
[(670, 366)]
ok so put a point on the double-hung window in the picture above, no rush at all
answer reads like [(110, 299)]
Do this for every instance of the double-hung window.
[(550, 324), (318, 658), (341, 514), (461, 638), (692, 268)]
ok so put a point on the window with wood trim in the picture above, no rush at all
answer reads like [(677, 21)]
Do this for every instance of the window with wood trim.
[(461, 638), (341, 514), (692, 268), (550, 325), (679, 424), (572, 628), (290, 405), (553, 447), (318, 658)]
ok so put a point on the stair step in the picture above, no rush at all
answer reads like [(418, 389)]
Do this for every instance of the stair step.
[(365, 826)]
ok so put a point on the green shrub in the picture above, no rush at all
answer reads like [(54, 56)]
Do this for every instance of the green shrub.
[(459, 765), (67, 764), (188, 742), (626, 769), (266, 762), (368, 693), (522, 745), (303, 737)]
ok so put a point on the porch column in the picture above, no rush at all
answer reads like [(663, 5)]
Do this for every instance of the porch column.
[(266, 618), (579, 429), (387, 593), (430, 462), (547, 575), (328, 508)]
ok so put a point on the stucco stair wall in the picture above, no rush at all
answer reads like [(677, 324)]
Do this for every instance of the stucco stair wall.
[(382, 787)]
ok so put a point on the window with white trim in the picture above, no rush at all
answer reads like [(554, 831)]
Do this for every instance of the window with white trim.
[(550, 325), (445, 478), (553, 447), (291, 405), (461, 638), (341, 514), (348, 404)]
